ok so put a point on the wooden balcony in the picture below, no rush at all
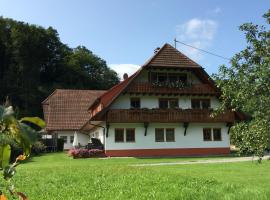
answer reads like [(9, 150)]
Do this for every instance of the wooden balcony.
[(166, 116), (148, 88)]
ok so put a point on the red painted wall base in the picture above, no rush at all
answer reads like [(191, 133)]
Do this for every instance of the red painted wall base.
[(167, 152)]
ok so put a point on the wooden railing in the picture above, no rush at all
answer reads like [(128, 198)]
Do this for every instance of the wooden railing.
[(148, 88), (166, 115)]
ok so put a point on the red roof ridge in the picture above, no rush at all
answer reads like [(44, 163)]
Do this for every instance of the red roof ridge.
[(164, 60)]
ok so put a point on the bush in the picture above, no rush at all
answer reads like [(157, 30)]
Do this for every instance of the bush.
[(85, 153), (38, 148)]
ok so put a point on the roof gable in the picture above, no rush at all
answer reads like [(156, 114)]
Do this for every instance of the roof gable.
[(168, 56)]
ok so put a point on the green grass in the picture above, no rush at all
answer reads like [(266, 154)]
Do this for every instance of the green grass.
[(57, 176)]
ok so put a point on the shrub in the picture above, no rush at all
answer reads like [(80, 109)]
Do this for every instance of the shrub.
[(85, 153), (38, 148)]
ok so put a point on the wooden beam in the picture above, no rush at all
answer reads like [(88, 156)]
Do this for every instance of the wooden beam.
[(185, 126), (145, 128), (229, 125)]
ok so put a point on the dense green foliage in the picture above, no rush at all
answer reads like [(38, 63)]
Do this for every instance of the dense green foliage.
[(34, 62), (14, 132), (245, 86), (57, 177)]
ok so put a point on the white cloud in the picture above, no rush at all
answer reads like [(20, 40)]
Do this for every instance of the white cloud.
[(196, 32), (124, 68)]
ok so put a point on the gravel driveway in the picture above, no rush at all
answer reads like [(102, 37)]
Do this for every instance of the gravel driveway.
[(223, 160)]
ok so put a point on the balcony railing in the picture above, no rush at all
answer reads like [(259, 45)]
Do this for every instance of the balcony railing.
[(148, 88), (166, 115)]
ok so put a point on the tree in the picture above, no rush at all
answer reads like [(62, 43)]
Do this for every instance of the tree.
[(245, 86), (34, 62)]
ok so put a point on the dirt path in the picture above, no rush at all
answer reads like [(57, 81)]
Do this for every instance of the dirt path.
[(224, 160)]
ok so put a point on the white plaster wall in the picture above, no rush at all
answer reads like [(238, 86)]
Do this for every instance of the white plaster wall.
[(98, 133), (123, 101), (83, 139), (193, 138)]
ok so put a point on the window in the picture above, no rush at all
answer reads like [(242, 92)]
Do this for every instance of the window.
[(135, 103), (205, 103), (119, 135), (168, 77), (207, 134), (163, 103), (71, 139), (170, 135), (217, 134), (64, 138), (183, 78), (200, 103), (159, 135), (130, 135), (195, 103), (172, 78), (173, 103), (161, 78), (168, 103)]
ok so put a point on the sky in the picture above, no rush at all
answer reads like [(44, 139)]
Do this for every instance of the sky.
[(125, 33)]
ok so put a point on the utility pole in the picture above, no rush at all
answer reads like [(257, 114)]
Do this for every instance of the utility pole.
[(175, 42)]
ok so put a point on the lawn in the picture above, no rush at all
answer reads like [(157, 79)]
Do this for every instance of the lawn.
[(57, 176)]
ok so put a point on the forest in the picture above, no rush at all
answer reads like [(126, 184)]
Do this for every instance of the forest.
[(34, 62)]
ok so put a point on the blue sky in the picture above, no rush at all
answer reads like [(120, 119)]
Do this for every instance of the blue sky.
[(125, 33)]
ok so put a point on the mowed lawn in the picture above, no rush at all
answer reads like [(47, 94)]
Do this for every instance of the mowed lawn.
[(57, 176)]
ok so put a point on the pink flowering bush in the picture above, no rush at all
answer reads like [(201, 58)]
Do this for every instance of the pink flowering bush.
[(86, 153)]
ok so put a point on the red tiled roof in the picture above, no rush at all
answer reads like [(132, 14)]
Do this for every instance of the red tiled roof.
[(67, 109), (108, 96), (168, 56)]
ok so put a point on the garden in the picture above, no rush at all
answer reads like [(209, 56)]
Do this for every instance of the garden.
[(58, 176)]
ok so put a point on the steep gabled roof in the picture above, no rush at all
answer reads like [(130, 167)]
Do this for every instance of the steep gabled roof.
[(168, 56), (67, 109)]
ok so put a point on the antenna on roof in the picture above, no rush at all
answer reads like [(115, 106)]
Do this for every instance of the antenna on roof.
[(175, 42), (213, 54)]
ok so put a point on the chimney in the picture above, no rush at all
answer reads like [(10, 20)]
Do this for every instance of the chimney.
[(125, 76), (157, 49)]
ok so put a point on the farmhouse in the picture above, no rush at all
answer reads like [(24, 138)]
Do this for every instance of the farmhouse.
[(163, 109)]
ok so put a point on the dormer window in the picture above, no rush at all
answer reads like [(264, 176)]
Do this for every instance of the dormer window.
[(135, 103), (200, 103)]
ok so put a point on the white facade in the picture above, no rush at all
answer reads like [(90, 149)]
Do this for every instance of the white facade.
[(83, 139), (192, 139), (184, 102)]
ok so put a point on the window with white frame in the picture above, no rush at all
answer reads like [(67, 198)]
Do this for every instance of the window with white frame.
[(164, 135), (213, 134), (124, 135)]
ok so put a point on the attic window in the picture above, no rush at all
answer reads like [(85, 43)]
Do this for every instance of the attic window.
[(168, 77)]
